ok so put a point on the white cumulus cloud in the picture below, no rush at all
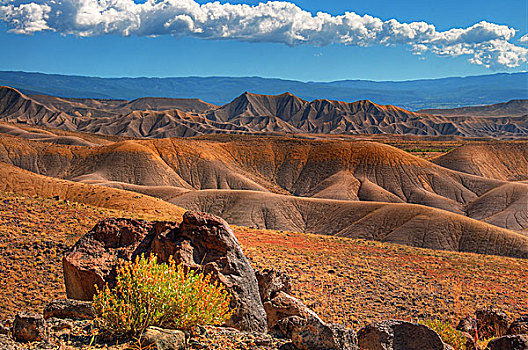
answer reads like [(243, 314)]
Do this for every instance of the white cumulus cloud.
[(485, 43)]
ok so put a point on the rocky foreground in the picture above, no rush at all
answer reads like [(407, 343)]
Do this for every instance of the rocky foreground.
[(266, 315)]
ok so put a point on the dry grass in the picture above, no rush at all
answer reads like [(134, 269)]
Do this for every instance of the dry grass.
[(347, 281), (355, 282)]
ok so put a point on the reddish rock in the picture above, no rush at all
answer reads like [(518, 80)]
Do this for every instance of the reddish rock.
[(284, 305), (201, 240), (163, 339), (30, 327)]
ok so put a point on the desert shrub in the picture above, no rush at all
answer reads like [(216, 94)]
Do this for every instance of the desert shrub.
[(448, 333), (165, 295), (483, 343)]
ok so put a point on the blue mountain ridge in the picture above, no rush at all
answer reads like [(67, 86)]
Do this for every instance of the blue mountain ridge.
[(412, 95)]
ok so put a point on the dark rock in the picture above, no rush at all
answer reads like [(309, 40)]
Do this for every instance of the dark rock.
[(519, 326), (313, 334), (271, 282), (163, 339), (30, 327), (509, 342), (201, 241), (69, 308), (398, 335), (491, 323), (284, 305)]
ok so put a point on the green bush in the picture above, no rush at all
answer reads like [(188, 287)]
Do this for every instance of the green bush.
[(448, 333), (164, 295)]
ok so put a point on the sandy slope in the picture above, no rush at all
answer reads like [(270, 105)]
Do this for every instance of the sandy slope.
[(16, 180)]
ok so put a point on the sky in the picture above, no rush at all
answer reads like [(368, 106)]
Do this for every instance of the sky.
[(303, 40)]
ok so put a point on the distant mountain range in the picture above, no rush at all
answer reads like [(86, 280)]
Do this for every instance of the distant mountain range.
[(411, 95), (252, 114)]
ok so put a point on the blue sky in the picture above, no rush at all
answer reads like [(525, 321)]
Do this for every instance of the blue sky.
[(110, 46)]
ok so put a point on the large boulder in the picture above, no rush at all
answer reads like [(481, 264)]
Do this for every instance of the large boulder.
[(30, 327), (201, 241), (311, 333), (491, 323), (509, 342), (398, 335)]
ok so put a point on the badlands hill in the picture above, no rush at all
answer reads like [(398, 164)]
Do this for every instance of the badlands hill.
[(16, 180), (495, 160), (357, 188), (248, 113), (101, 108)]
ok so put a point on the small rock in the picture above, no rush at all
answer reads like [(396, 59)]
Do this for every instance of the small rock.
[(271, 281), (509, 342), (163, 339), (519, 326), (58, 324), (398, 335), (69, 308), (468, 325), (29, 327), (491, 323), (313, 334), (284, 305)]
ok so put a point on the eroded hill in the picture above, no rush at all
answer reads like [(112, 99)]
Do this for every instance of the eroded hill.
[(496, 160), (301, 185), (248, 113)]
